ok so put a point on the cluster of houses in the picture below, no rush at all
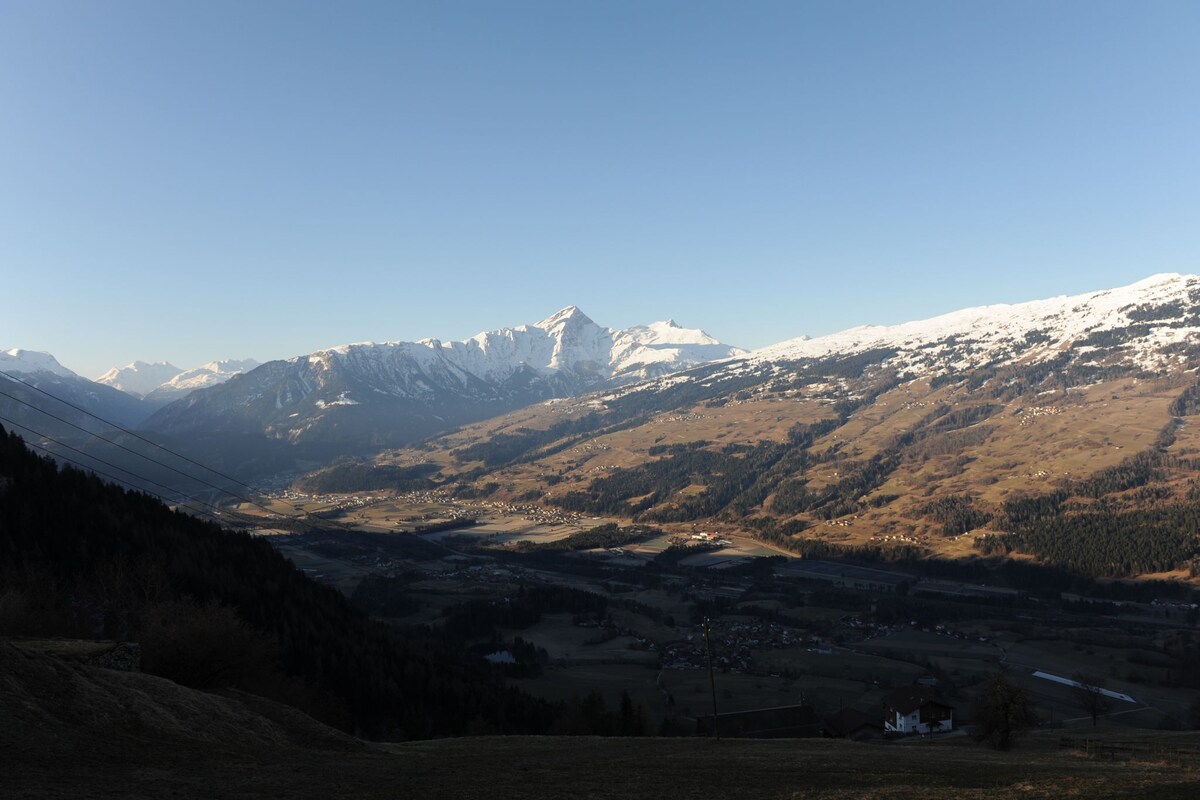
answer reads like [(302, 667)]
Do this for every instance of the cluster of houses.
[(905, 711), (736, 643), (709, 538)]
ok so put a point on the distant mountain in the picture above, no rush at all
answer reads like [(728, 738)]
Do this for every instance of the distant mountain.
[(77, 419), (139, 378), (161, 382), (38, 370), (211, 374), (31, 362), (363, 397)]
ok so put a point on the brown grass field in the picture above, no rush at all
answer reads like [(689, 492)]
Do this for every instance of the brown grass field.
[(602, 769), (1036, 443)]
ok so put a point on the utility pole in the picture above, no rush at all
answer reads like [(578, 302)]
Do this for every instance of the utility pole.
[(712, 680)]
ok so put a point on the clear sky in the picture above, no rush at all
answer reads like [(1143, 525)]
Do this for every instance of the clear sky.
[(197, 180)]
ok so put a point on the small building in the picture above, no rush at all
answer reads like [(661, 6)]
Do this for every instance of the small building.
[(782, 722), (916, 709), (850, 723)]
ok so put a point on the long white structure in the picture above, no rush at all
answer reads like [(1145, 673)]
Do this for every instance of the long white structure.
[(1046, 676)]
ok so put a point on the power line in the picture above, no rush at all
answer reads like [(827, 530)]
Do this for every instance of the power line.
[(117, 467), (127, 449), (220, 522), (113, 478), (10, 376)]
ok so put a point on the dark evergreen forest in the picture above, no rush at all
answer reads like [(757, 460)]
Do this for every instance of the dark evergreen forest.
[(214, 608)]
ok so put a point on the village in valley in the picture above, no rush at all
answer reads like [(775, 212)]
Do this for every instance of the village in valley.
[(685, 620)]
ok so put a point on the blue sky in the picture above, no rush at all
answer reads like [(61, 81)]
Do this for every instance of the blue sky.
[(193, 180)]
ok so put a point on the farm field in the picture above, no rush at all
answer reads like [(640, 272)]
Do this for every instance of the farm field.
[(566, 683), (567, 643)]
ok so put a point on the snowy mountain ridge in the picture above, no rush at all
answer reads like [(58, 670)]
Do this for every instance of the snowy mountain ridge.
[(163, 382), (139, 378), (565, 344), (1148, 323), (362, 397), (203, 376), (37, 374)]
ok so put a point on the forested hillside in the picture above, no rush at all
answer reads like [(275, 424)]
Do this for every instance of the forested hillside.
[(213, 608)]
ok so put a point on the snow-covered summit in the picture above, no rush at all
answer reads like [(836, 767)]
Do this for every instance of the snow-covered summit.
[(365, 396), (667, 332), (139, 378), (81, 403), (565, 345), (653, 349), (162, 381), (1138, 322), (205, 375), (17, 360), (571, 315)]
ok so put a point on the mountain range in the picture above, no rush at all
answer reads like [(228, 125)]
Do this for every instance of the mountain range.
[(161, 383), (361, 398), (1061, 428), (998, 393), (29, 378)]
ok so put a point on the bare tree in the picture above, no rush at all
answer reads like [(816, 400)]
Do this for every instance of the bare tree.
[(1004, 710), (1193, 715), (1089, 694)]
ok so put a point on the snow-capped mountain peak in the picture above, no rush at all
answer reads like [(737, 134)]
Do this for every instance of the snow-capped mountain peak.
[(210, 374), (139, 378), (17, 360), (82, 403), (162, 381), (669, 332), (571, 315), (366, 389), (566, 346)]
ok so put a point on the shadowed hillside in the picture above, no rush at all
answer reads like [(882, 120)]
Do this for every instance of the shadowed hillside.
[(216, 609)]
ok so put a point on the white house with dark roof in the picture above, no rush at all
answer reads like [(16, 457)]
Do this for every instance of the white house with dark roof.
[(915, 709)]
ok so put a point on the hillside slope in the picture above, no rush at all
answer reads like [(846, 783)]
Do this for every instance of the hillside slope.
[(72, 731), (110, 710), (1060, 429)]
